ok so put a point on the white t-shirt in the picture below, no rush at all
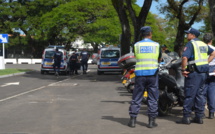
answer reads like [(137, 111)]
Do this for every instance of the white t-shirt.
[(213, 61)]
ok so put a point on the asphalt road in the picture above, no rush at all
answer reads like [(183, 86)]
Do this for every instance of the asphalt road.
[(79, 104)]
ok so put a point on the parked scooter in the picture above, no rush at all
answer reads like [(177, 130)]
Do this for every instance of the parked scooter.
[(171, 83), (127, 62), (128, 79)]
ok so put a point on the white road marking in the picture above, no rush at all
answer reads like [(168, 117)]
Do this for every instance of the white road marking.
[(8, 84), (8, 98), (33, 90), (63, 84)]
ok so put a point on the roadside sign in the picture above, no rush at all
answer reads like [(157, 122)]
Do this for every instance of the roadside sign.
[(3, 38)]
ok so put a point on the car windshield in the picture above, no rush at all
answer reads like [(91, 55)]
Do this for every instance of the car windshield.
[(110, 54), (49, 54)]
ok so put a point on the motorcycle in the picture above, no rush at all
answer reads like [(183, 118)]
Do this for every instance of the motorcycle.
[(128, 79), (171, 83), (127, 62)]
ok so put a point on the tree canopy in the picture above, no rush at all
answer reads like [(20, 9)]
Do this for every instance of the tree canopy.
[(45, 22)]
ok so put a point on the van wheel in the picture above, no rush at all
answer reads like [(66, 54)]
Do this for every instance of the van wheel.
[(99, 72)]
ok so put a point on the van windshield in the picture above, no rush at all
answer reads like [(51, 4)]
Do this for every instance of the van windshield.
[(49, 54), (110, 54)]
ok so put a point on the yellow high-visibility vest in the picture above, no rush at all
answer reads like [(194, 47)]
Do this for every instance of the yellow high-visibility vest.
[(147, 54), (200, 53)]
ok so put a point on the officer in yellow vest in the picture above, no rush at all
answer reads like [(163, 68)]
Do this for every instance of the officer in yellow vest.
[(148, 55), (194, 69)]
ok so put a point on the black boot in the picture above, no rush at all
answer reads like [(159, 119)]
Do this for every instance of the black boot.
[(84, 72), (198, 120), (152, 122), (184, 120), (211, 115), (76, 72), (132, 122)]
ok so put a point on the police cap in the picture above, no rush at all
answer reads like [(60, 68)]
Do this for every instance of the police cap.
[(146, 29), (163, 46), (192, 31)]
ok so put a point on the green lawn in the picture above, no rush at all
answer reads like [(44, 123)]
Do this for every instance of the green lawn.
[(12, 71)]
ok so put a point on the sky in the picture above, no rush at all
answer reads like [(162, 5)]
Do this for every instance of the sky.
[(154, 10)]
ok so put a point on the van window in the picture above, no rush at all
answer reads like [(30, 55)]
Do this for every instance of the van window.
[(110, 54), (49, 54)]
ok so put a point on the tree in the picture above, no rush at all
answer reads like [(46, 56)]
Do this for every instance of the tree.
[(212, 15), (157, 28), (24, 15), (186, 12), (126, 12), (94, 20)]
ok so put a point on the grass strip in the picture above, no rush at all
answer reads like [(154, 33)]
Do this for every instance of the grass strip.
[(12, 71)]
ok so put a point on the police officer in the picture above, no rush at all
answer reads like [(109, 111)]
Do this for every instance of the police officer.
[(194, 69), (210, 82), (84, 56), (73, 60), (58, 56), (148, 54), (164, 49)]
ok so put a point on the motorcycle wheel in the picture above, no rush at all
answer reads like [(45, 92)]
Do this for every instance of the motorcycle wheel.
[(130, 88), (163, 104)]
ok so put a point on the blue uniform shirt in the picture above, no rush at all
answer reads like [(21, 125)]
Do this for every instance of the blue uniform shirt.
[(84, 55), (189, 53), (58, 56)]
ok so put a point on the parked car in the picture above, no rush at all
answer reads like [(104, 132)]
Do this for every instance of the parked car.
[(107, 60), (94, 58), (47, 60)]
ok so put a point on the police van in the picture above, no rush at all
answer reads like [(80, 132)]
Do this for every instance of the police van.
[(47, 60), (107, 60)]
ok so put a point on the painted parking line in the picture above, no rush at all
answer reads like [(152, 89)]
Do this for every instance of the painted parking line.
[(40, 88), (30, 91)]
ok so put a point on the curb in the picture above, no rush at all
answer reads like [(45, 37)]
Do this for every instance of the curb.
[(15, 74)]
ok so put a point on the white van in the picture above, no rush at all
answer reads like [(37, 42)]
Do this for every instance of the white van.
[(107, 60), (47, 61)]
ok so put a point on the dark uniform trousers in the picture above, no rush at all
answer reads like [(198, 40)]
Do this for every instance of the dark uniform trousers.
[(57, 64), (210, 93), (151, 84), (194, 94), (84, 65)]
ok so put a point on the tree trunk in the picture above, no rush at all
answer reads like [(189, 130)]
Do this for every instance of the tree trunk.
[(212, 15), (125, 38), (122, 6), (183, 25), (95, 47), (138, 21), (179, 41)]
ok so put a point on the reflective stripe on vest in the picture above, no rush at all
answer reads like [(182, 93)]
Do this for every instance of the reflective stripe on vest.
[(140, 60), (146, 54), (200, 53)]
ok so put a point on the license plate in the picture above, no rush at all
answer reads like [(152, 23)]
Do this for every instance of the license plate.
[(124, 81), (132, 75), (105, 63), (49, 63)]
